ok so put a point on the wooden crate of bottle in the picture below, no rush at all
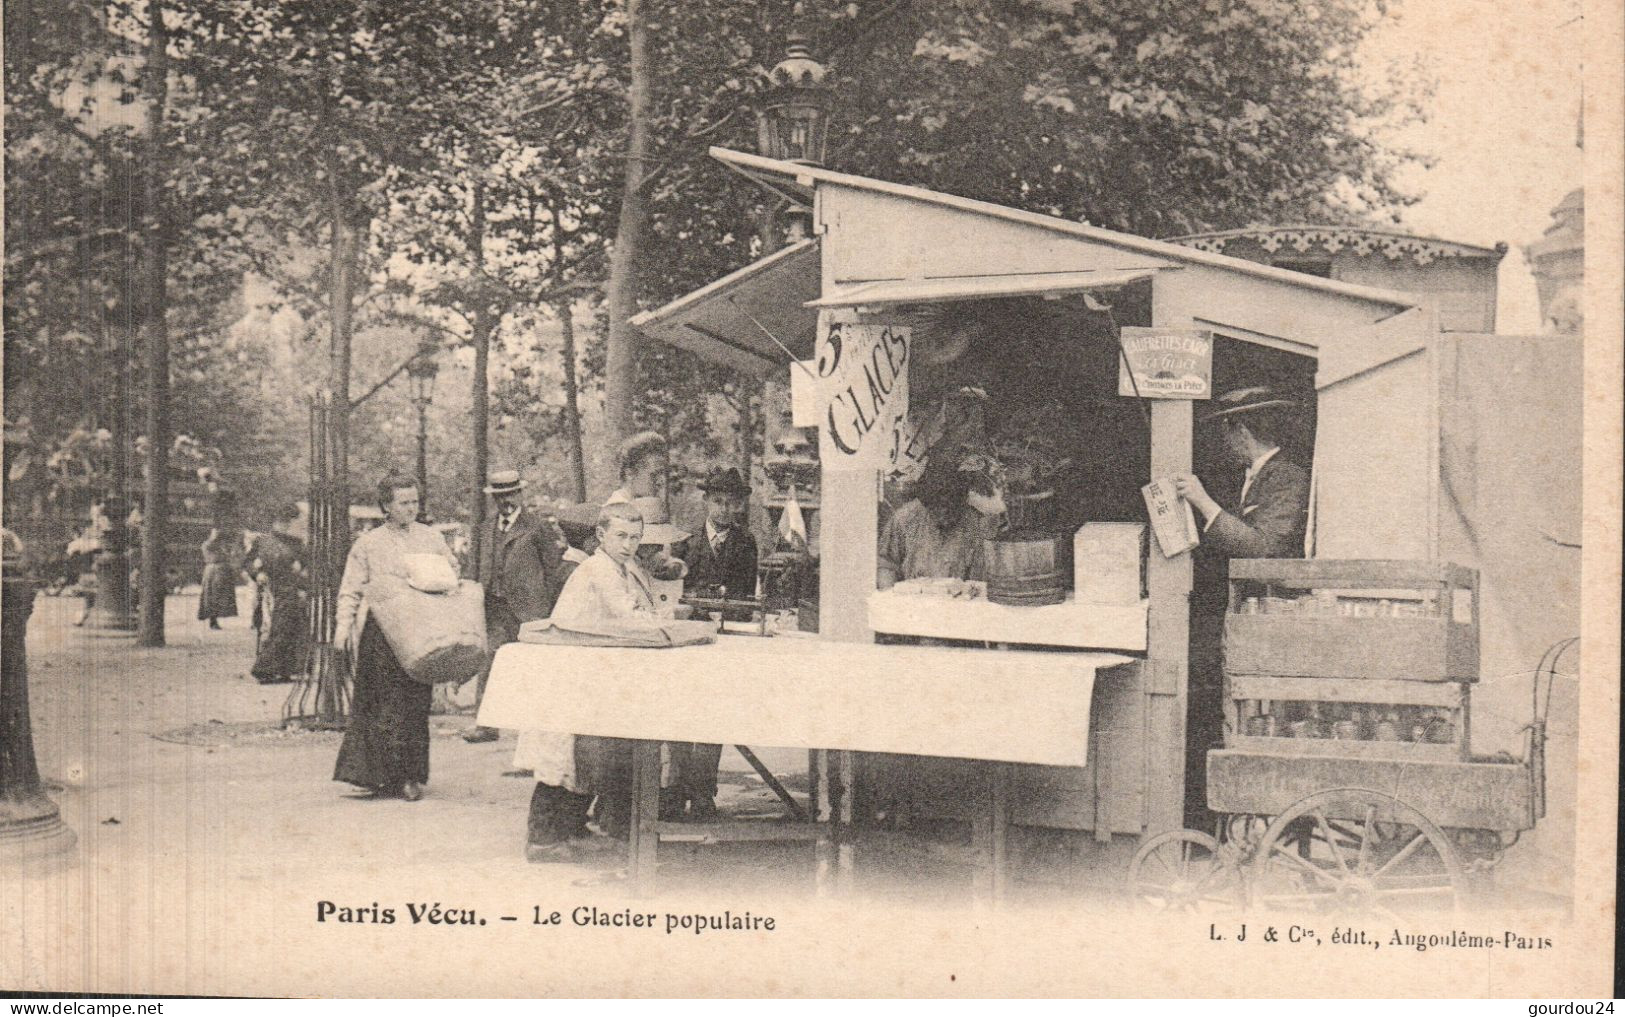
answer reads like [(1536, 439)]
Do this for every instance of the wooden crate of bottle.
[(1333, 618), (1357, 718)]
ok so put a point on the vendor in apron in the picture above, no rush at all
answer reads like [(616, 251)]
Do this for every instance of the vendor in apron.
[(939, 532), (571, 770)]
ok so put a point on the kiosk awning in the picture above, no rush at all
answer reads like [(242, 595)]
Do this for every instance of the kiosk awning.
[(981, 287), (742, 319)]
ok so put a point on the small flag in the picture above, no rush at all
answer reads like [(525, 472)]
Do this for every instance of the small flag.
[(792, 527)]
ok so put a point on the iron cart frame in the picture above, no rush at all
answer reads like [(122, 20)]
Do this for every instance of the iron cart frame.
[(1347, 816)]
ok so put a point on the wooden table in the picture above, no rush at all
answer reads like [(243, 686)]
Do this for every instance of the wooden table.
[(834, 698)]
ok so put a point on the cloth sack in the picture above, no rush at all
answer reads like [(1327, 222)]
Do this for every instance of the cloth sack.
[(436, 637), (430, 573)]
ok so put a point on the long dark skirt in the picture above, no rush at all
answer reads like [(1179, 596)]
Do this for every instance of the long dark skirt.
[(387, 742), (218, 598), (282, 648)]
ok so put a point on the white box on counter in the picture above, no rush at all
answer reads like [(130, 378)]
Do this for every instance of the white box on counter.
[(1108, 563)]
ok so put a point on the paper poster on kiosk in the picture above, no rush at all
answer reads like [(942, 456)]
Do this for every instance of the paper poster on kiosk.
[(863, 393)]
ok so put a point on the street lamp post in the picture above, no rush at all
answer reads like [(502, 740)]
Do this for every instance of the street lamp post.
[(792, 116), (792, 124), (420, 373), (31, 826)]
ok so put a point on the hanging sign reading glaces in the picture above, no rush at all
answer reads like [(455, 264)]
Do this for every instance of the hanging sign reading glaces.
[(863, 384)]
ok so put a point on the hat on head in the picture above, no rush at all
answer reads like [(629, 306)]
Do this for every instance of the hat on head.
[(1247, 400), (504, 482), (725, 481), (657, 527)]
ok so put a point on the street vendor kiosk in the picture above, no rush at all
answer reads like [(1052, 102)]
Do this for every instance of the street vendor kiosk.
[(1077, 356)]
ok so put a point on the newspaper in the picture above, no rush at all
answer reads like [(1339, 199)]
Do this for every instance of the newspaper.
[(1172, 519)]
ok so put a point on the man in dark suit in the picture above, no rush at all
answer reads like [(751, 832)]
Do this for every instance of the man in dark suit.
[(721, 561), (522, 568), (722, 556), (1268, 520), (1272, 512)]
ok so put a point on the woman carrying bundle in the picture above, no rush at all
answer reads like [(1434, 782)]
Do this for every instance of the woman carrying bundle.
[(386, 746)]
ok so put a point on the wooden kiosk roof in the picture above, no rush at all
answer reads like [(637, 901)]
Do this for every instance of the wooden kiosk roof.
[(761, 316)]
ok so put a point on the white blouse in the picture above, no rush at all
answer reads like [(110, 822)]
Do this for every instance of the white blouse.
[(382, 551)]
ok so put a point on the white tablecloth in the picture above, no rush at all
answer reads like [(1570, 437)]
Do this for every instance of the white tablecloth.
[(1013, 706)]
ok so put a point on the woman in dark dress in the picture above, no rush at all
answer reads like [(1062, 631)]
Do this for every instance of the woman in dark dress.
[(386, 746), (276, 560), (222, 550)]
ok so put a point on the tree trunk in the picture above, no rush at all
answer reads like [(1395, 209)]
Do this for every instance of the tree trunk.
[(573, 451), (155, 518), (347, 228), (621, 368), (485, 322)]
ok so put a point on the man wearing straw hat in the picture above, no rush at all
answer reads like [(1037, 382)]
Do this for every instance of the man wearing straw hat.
[(1273, 511), (521, 566), (1268, 520)]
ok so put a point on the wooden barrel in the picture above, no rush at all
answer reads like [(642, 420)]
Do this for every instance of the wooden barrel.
[(1026, 571)]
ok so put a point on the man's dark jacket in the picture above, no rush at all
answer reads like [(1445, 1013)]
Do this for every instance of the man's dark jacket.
[(732, 565), (523, 567), (1272, 518)]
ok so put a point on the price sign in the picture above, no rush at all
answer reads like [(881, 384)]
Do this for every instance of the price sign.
[(1165, 363), (863, 383), (910, 446)]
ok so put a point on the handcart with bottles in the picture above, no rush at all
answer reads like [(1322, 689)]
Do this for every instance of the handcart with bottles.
[(1347, 781)]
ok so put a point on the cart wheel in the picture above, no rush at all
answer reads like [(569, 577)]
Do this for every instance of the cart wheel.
[(1354, 850), (1185, 870), (1245, 831)]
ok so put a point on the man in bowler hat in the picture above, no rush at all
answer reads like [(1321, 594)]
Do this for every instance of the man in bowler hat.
[(722, 557), (721, 561), (522, 568)]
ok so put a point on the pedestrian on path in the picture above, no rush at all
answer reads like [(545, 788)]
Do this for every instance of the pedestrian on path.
[(276, 560), (522, 568), (221, 560), (386, 746)]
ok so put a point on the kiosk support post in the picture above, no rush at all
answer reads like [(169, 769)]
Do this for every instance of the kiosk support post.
[(1168, 582)]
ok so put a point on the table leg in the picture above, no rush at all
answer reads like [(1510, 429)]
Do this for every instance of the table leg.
[(841, 818), (824, 845), (814, 797), (790, 804), (988, 831), (832, 773), (644, 839)]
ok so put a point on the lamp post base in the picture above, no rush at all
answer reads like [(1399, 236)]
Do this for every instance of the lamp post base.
[(31, 829)]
